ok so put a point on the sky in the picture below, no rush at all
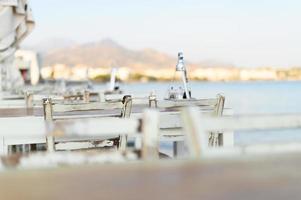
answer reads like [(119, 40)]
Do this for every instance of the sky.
[(246, 33)]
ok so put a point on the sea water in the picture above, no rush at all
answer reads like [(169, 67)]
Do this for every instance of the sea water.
[(243, 98)]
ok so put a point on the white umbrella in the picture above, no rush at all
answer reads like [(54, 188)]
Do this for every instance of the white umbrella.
[(16, 23)]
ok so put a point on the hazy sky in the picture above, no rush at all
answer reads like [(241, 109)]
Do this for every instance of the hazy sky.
[(243, 32)]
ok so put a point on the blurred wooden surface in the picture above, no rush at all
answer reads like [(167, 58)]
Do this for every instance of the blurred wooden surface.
[(265, 178)]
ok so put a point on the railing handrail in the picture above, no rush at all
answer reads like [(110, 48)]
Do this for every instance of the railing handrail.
[(197, 128)]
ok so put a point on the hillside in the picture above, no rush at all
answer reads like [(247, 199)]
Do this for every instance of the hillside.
[(108, 53), (70, 60)]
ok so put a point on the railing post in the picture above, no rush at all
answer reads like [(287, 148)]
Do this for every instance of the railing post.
[(102, 97), (125, 113), (152, 101), (150, 139), (127, 106), (86, 96), (48, 117), (47, 107), (219, 108), (29, 100), (50, 144), (216, 139), (197, 139)]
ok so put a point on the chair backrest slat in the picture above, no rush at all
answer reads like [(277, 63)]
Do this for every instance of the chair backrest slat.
[(86, 106)]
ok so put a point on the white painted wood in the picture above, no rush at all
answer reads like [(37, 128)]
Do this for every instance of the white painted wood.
[(48, 109), (22, 126), (26, 139), (81, 139), (153, 102), (125, 113), (127, 107), (70, 146), (228, 136), (83, 116), (171, 132), (174, 120), (186, 103), (5, 147), (32, 130), (86, 96), (61, 143), (29, 100), (10, 97), (36, 127), (2, 146), (255, 122), (196, 139), (39, 97), (102, 97), (126, 110), (50, 143), (86, 106), (170, 120), (94, 127), (165, 138), (21, 130), (228, 139), (12, 103), (217, 138), (245, 123), (144, 100), (150, 140), (171, 125), (198, 132)]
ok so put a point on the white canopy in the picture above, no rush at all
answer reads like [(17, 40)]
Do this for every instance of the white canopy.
[(16, 23)]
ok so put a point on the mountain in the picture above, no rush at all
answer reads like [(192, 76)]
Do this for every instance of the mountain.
[(108, 53)]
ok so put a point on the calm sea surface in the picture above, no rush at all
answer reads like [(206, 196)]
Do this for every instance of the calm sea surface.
[(244, 98)]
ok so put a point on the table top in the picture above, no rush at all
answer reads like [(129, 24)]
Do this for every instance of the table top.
[(266, 178)]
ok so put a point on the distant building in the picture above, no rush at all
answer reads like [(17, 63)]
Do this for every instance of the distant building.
[(258, 74), (61, 71), (215, 74)]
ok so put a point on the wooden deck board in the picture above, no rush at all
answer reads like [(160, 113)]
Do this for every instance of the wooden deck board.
[(270, 178)]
